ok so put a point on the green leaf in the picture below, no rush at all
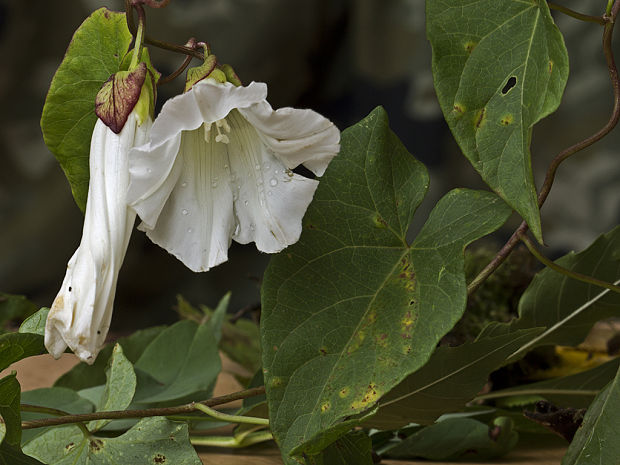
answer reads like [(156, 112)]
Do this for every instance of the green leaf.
[(14, 307), (84, 376), (576, 390), (35, 323), (16, 346), (596, 441), (9, 409), (352, 293), (568, 308), (454, 437), (451, 378), (11, 429), (175, 372), (63, 399), (94, 54), (153, 440), (354, 448), (119, 388), (499, 68)]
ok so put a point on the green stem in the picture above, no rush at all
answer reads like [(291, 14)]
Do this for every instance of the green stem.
[(565, 271), (137, 51), (610, 4), (574, 14), (53, 411), (232, 418), (231, 441)]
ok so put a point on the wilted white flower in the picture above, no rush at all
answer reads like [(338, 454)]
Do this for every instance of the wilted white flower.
[(218, 167), (80, 315)]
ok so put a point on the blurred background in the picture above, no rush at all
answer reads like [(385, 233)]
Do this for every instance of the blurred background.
[(339, 57)]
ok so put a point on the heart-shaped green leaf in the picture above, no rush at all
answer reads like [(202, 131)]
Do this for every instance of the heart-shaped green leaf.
[(352, 308)]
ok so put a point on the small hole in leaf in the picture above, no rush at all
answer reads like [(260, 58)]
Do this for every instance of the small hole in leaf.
[(509, 85)]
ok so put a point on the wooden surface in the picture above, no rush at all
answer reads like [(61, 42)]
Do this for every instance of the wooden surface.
[(41, 371)]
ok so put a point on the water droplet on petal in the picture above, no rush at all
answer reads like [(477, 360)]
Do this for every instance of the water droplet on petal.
[(257, 166), (225, 167), (184, 211), (270, 193), (236, 230), (259, 182), (184, 184), (189, 230), (252, 227), (246, 203), (266, 166), (149, 170), (273, 182), (276, 171)]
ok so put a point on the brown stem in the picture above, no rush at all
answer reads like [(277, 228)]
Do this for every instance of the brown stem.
[(158, 43), (151, 412), (188, 59), (550, 176), (574, 14)]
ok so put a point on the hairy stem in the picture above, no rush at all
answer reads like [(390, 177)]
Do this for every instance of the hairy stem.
[(151, 412), (573, 149), (565, 271), (574, 14)]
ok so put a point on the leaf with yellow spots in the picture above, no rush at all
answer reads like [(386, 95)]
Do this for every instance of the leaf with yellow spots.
[(499, 68), (353, 307)]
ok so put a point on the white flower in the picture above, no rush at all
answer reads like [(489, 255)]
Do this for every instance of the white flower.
[(218, 167), (80, 315)]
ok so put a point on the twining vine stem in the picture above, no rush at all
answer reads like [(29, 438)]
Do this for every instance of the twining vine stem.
[(587, 18), (131, 4), (609, 21), (151, 412)]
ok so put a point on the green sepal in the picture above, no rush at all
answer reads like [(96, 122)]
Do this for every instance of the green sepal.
[(231, 76), (201, 72), (118, 97)]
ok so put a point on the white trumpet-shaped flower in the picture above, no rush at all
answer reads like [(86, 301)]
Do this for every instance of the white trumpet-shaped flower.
[(218, 167), (80, 315)]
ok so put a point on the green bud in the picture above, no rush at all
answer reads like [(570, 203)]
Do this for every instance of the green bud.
[(231, 76), (201, 72)]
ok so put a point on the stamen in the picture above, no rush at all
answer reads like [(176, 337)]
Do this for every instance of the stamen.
[(223, 138)]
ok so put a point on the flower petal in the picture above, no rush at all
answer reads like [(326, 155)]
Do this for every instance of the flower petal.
[(296, 136), (271, 199), (196, 222), (206, 102), (81, 313)]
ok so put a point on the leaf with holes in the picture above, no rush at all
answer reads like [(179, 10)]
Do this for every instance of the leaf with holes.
[(596, 441), (153, 440), (568, 308), (499, 68), (352, 308), (95, 53)]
